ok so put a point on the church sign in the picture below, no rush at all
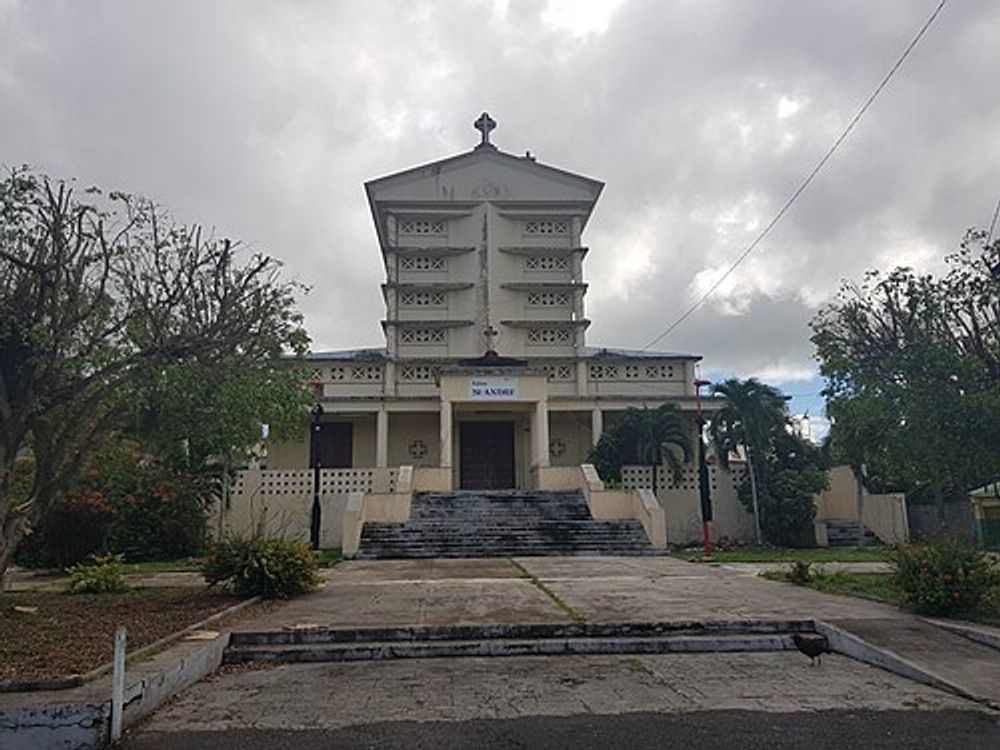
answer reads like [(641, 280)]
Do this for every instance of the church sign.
[(493, 389)]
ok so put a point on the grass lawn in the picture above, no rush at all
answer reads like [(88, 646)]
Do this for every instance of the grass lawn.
[(329, 557), (807, 554), (186, 565), (879, 587), (72, 634)]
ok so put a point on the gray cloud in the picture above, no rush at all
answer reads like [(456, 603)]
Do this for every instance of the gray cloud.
[(263, 119)]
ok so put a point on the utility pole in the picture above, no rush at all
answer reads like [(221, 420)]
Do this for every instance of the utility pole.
[(704, 486)]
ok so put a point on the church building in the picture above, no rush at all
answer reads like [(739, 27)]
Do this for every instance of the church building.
[(485, 380)]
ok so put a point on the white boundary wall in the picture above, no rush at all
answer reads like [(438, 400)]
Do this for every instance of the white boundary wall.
[(278, 502)]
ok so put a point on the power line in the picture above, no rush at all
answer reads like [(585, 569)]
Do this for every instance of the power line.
[(808, 180), (993, 224)]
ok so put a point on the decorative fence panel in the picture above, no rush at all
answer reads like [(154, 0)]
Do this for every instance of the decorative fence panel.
[(682, 504), (278, 502)]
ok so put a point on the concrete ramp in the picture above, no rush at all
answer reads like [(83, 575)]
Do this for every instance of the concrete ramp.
[(970, 667)]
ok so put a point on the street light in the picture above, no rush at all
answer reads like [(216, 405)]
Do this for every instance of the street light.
[(314, 460), (704, 487)]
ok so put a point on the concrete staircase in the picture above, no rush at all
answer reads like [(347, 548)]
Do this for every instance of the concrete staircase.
[(502, 524), (845, 534), (319, 644)]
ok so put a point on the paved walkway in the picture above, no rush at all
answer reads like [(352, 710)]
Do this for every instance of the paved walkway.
[(616, 590), (272, 703), (601, 589), (347, 694)]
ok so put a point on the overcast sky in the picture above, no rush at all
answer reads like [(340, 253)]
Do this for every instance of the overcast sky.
[(264, 118)]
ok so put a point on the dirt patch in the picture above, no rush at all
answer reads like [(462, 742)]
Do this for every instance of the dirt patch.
[(53, 635)]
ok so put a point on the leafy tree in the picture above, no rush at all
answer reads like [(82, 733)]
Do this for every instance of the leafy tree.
[(752, 418), (913, 370), (646, 437), (784, 471), (787, 503), (198, 417), (99, 294)]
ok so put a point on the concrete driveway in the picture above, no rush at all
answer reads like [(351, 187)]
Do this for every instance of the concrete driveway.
[(600, 589), (436, 702)]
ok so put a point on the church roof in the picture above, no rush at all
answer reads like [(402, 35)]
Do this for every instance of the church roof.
[(485, 173), (492, 153), (596, 352), (377, 354)]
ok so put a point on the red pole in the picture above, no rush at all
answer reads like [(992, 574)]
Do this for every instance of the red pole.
[(706, 538)]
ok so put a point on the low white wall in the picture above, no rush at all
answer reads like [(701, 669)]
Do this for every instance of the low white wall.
[(681, 502), (884, 514), (431, 479), (609, 505), (557, 478), (382, 507), (278, 503)]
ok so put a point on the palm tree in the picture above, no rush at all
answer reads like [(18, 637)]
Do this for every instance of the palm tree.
[(648, 437), (753, 414)]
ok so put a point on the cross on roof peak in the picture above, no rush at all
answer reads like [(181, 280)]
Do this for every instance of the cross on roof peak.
[(485, 124)]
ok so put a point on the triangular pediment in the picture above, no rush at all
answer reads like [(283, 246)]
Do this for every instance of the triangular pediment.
[(484, 174)]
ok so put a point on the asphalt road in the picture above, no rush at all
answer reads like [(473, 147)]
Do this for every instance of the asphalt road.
[(706, 730)]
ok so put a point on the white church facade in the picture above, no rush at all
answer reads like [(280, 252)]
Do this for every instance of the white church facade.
[(485, 380)]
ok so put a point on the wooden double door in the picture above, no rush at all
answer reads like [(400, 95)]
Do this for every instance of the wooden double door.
[(486, 455)]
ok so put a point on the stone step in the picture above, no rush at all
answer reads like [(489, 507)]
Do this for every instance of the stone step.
[(323, 645), (497, 529), (395, 553), (548, 647), (500, 525), (529, 631)]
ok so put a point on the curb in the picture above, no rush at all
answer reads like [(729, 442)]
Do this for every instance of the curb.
[(850, 645), (989, 638), (76, 680)]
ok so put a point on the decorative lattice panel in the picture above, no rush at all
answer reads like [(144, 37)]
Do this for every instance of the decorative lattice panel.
[(423, 226), (603, 372), (343, 481), (641, 477), (548, 299), (660, 372), (338, 373), (547, 227), (423, 264), (558, 372), (632, 372), (547, 263), (545, 336), (423, 299), (423, 336), (418, 373), (279, 482), (367, 373)]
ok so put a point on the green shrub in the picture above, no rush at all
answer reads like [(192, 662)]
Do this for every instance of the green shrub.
[(75, 528), (101, 575), (163, 518), (273, 568), (787, 505), (124, 503), (946, 575)]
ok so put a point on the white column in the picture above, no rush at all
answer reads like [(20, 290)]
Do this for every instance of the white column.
[(381, 438), (446, 434), (540, 429), (596, 425)]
